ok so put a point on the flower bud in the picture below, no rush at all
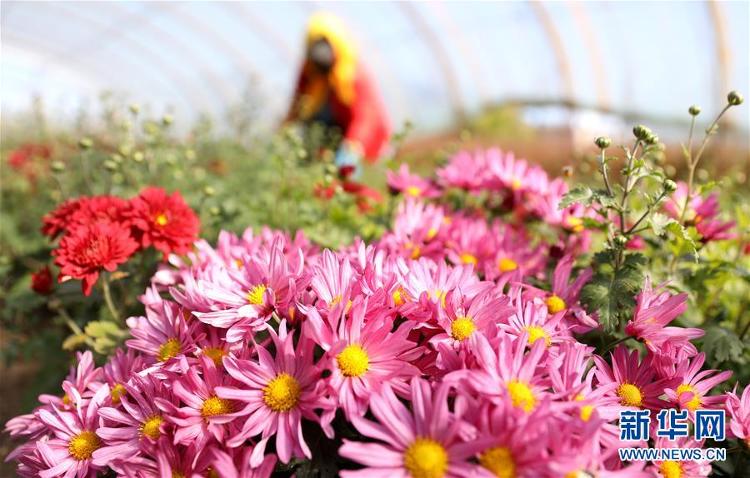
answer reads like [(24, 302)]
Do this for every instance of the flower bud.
[(641, 132), (209, 191), (190, 155), (694, 110), (57, 166), (167, 120), (214, 211), (110, 165), (651, 139), (620, 241), (135, 108), (138, 157), (670, 186), (734, 98), (602, 142), (85, 143)]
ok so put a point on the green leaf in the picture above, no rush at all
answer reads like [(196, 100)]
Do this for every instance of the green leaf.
[(106, 335), (579, 194), (659, 223), (722, 345), (682, 238), (612, 294)]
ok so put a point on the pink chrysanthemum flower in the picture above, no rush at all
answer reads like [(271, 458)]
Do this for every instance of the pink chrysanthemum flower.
[(531, 317), (465, 170), (84, 376), (514, 256), (465, 316), (163, 336), (563, 299), (204, 415), (235, 463), (278, 392), (435, 280), (423, 442), (363, 354), (738, 409), (242, 299), (680, 469), (655, 309), (134, 426), (333, 281), (70, 453), (411, 185), (702, 212), (637, 384), (515, 175), (467, 242), (171, 461), (516, 442), (118, 370), (692, 391), (417, 228), (510, 375)]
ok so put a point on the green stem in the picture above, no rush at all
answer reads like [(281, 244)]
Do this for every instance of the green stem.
[(616, 343), (693, 163), (108, 298)]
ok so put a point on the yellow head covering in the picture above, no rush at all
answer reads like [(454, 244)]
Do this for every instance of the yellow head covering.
[(341, 78)]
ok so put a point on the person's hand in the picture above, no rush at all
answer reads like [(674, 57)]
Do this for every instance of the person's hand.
[(348, 159)]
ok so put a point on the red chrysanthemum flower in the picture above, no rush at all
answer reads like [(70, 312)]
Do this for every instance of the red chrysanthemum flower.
[(84, 210), (55, 222), (85, 249), (41, 281), (164, 221)]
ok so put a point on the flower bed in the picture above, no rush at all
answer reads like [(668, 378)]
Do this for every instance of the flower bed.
[(499, 327)]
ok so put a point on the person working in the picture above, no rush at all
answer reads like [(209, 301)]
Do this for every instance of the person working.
[(335, 89)]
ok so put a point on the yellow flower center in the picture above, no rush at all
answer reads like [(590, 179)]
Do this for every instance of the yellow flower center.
[(216, 406), (536, 333), (152, 427), (515, 184), (586, 412), (282, 393), (507, 265), (630, 395), (215, 353), (161, 220), (575, 224), (413, 191), (169, 349), (462, 328), (499, 461), (416, 251), (576, 474), (353, 361), (83, 445), (694, 403), (555, 304), (431, 233), (255, 295), (66, 400), (426, 458), (117, 392), (439, 295), (521, 395), (670, 469), (399, 296), (467, 258)]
